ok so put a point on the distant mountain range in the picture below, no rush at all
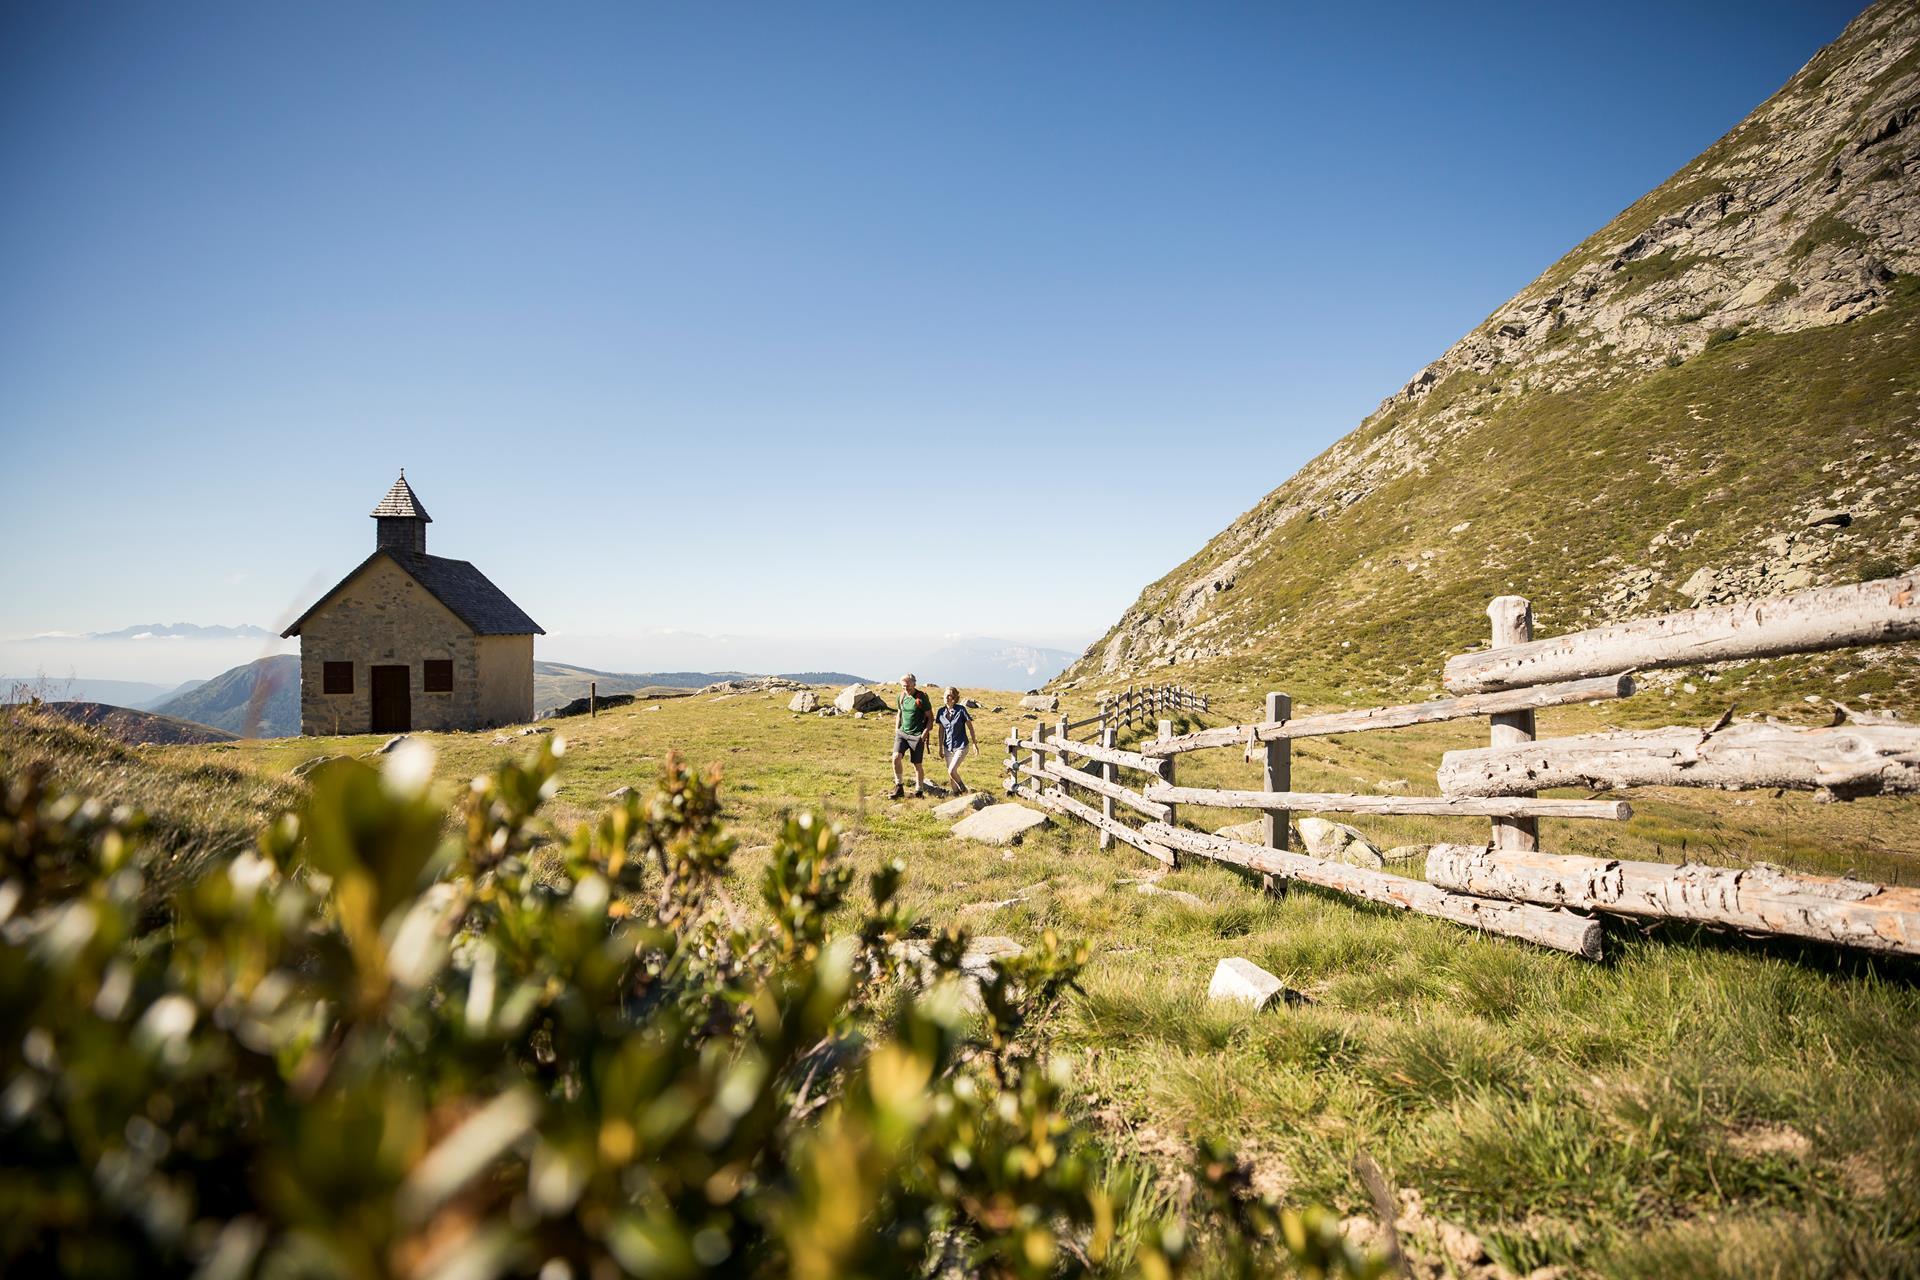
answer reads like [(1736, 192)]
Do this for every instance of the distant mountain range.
[(261, 698), (138, 694), (183, 631), (986, 663)]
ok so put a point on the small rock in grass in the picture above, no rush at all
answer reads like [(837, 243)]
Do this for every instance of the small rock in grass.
[(1405, 853), (619, 793), (958, 807), (306, 767), (1180, 896), (1254, 832), (804, 701), (1243, 982), (390, 745)]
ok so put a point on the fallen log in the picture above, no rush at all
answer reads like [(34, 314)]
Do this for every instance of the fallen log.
[(1062, 803), (1399, 717), (1862, 613), (1435, 806), (1064, 772), (1557, 929), (1851, 913), (1841, 762)]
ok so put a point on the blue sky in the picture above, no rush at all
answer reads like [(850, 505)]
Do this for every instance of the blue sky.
[(779, 322)]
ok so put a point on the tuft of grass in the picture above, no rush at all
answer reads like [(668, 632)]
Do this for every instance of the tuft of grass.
[(1829, 229)]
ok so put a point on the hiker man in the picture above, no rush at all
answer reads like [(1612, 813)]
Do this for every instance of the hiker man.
[(910, 735)]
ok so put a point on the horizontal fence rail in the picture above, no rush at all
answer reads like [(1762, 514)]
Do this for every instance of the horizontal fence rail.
[(1398, 717), (1846, 761), (1433, 806), (1813, 621), (1509, 886), (1558, 929), (1855, 913)]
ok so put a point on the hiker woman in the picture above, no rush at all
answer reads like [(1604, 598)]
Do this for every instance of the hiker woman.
[(957, 734)]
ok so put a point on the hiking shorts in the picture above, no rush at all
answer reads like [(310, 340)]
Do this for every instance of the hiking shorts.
[(913, 748)]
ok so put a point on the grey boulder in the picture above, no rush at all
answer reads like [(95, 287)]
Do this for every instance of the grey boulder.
[(999, 824), (1338, 842)]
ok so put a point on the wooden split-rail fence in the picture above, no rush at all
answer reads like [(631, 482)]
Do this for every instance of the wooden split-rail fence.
[(1509, 885), (1134, 705)]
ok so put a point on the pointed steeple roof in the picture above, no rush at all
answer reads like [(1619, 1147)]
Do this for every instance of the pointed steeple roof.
[(400, 502)]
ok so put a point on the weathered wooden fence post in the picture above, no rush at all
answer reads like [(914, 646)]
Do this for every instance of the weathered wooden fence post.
[(1513, 624), (593, 699), (1166, 731), (1111, 772), (1012, 762), (1277, 775), (1039, 756)]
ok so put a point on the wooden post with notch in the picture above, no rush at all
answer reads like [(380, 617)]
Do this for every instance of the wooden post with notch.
[(1111, 772), (1039, 756), (1277, 775), (1166, 731), (1513, 624)]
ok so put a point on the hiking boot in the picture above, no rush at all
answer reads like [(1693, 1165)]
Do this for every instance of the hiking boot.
[(899, 793), (919, 793)]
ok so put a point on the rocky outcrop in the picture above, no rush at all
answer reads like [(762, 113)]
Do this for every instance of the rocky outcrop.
[(751, 684), (804, 701)]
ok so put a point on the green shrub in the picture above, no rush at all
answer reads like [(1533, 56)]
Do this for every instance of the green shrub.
[(1721, 337), (387, 1043)]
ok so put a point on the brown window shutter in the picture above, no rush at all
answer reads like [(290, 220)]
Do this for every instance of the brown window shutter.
[(336, 677), (438, 676)]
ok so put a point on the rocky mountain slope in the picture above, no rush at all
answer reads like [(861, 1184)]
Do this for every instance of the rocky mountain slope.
[(1713, 397), (258, 700)]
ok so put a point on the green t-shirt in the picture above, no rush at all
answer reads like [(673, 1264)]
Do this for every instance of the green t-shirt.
[(915, 712)]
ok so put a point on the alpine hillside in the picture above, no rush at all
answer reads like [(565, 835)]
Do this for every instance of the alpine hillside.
[(1711, 398)]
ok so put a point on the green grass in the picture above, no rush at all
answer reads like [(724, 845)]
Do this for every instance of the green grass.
[(1828, 229), (1697, 1103)]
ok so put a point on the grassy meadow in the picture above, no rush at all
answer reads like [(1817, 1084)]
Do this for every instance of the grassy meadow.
[(1697, 1104)]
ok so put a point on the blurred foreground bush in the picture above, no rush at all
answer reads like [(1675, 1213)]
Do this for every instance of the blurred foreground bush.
[(369, 1048)]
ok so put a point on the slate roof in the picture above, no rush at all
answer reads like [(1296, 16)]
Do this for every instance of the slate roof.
[(454, 583), (401, 501)]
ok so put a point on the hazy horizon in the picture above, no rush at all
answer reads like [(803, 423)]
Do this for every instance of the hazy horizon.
[(165, 662)]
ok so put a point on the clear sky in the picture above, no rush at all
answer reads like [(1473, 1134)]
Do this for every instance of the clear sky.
[(777, 321)]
